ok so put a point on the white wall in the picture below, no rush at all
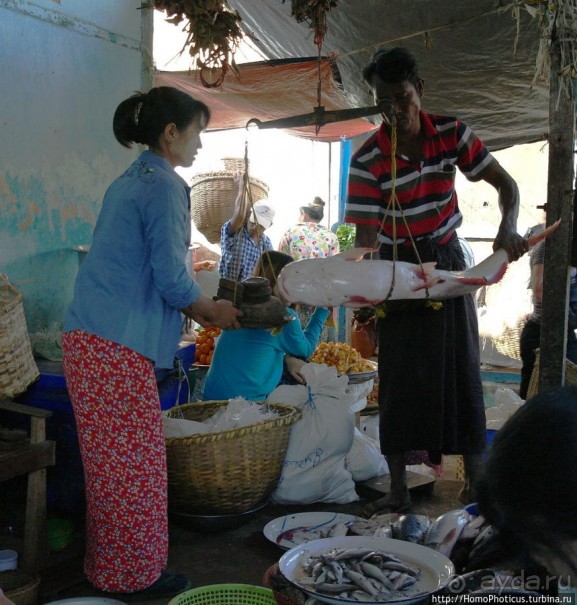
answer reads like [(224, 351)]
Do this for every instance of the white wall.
[(64, 68)]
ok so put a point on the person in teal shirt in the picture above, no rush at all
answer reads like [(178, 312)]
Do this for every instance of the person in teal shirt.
[(249, 362)]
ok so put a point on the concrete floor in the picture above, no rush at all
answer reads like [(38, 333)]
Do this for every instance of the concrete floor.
[(240, 555)]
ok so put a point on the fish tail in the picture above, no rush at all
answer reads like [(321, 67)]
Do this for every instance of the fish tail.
[(535, 239)]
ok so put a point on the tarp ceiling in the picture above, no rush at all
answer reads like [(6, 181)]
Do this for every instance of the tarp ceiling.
[(271, 90), (469, 63)]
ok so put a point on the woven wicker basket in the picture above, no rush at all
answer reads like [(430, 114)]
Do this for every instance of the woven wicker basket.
[(18, 370), (570, 375), (20, 586), (227, 472), (212, 200)]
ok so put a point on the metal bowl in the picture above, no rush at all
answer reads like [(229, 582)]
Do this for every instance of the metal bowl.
[(214, 523)]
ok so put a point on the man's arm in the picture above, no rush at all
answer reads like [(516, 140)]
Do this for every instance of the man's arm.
[(240, 206), (508, 192)]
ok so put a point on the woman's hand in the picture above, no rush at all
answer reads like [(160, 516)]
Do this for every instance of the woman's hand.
[(205, 265), (293, 366), (207, 312)]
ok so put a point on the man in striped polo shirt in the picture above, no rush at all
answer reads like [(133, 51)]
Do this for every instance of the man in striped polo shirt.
[(402, 198)]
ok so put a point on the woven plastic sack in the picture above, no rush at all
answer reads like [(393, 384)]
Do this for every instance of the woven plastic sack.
[(18, 370)]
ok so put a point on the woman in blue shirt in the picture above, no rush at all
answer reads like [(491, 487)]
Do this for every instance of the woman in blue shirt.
[(125, 318), (249, 362)]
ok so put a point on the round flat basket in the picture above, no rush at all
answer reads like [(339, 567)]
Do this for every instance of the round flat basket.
[(20, 586), (226, 594), (212, 197), (230, 471)]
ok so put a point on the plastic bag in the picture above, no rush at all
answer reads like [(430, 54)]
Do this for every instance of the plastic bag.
[(365, 458), (239, 412)]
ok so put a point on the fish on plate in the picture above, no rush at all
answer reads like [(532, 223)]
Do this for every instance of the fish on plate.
[(305, 533), (445, 530), (348, 280), (360, 574), (411, 527)]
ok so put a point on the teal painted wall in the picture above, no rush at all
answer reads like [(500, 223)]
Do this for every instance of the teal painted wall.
[(64, 68)]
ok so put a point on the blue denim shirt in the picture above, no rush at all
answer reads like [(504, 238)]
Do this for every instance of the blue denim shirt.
[(134, 282)]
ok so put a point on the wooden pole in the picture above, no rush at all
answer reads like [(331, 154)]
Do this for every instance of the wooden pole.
[(559, 206)]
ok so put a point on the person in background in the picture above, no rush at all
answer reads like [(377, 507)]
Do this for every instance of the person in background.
[(528, 489), (243, 238), (249, 362), (125, 318), (530, 337), (309, 239), (430, 389)]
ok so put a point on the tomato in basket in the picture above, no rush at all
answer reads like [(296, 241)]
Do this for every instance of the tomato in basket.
[(205, 343)]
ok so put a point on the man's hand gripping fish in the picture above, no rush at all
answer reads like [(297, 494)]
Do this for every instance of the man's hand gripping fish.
[(346, 280)]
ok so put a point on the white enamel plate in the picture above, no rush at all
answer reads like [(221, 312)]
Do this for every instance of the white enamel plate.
[(292, 530), (435, 568)]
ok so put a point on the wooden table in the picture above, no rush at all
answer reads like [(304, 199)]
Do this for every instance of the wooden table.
[(30, 458)]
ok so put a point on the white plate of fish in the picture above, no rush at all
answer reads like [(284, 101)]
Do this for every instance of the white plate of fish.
[(293, 530), (351, 569)]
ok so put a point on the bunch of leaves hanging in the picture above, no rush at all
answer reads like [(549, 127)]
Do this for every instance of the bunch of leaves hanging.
[(213, 34), (314, 13)]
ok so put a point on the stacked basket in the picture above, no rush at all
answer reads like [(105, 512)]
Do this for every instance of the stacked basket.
[(21, 587), (228, 472), (213, 195), (18, 370)]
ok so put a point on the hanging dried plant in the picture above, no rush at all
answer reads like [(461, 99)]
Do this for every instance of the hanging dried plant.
[(213, 33), (313, 12)]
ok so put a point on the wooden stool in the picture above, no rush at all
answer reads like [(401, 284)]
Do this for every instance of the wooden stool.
[(31, 458)]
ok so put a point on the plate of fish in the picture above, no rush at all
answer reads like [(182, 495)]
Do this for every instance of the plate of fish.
[(293, 530), (351, 569), (356, 377)]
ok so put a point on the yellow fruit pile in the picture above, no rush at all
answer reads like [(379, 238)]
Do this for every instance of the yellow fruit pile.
[(205, 345), (339, 354)]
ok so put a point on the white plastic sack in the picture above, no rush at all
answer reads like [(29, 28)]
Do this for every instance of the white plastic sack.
[(508, 402), (365, 458), (370, 426), (315, 468)]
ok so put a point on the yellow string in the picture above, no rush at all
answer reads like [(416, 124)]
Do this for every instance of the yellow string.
[(247, 193), (392, 206)]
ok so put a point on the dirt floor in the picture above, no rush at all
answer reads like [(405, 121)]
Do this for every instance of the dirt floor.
[(239, 555)]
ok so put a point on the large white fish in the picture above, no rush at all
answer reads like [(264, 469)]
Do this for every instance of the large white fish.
[(346, 280)]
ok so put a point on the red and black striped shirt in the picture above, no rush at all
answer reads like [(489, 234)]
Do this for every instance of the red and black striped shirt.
[(425, 189)]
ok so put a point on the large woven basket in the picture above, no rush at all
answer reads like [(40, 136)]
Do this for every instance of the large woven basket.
[(20, 586), (212, 200), (227, 472), (570, 375), (18, 370)]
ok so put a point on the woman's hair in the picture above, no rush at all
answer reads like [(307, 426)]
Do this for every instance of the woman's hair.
[(528, 490), (315, 210), (143, 117), (270, 264), (392, 65)]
